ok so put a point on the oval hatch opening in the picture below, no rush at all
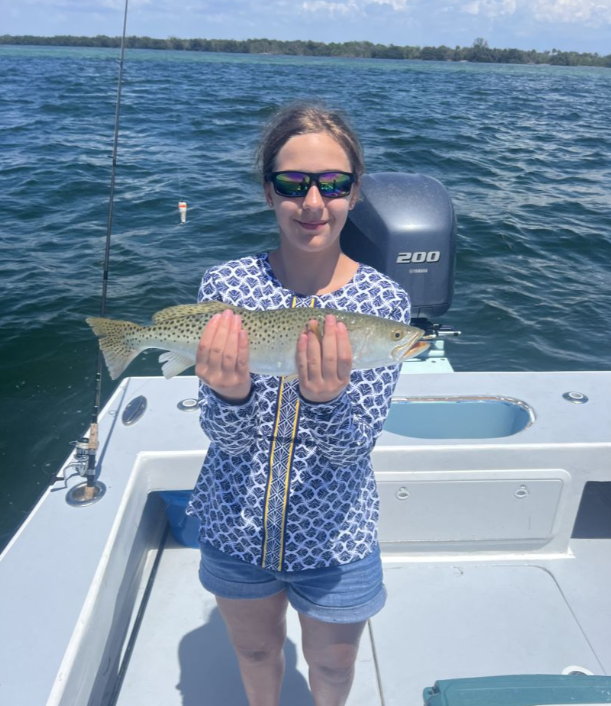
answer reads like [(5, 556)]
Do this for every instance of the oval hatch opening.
[(458, 417)]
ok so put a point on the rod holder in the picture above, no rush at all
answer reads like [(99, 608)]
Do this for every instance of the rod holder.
[(82, 495)]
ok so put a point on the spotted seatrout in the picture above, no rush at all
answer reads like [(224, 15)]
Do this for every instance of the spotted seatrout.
[(272, 337)]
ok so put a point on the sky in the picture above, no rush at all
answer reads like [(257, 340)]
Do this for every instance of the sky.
[(579, 25)]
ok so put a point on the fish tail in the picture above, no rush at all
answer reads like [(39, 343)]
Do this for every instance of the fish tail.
[(117, 343)]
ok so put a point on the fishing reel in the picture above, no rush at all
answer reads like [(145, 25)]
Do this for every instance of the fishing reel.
[(81, 455), (89, 491)]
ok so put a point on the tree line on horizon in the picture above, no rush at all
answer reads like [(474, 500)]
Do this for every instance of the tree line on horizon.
[(479, 51)]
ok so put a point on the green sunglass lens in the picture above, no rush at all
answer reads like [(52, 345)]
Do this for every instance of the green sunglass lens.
[(330, 184), (334, 185), (292, 184)]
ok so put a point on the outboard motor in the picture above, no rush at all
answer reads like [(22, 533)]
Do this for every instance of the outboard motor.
[(404, 225)]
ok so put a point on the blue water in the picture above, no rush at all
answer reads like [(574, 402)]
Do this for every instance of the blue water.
[(525, 152)]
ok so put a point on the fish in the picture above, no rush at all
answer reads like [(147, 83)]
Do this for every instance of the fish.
[(272, 337)]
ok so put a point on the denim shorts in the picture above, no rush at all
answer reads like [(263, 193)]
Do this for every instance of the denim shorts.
[(347, 593)]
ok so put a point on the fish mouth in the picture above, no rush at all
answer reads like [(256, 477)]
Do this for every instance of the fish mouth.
[(412, 347)]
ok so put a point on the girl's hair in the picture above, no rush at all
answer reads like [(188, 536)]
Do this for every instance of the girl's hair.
[(302, 118)]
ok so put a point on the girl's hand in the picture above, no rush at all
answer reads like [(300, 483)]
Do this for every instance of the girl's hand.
[(324, 366), (222, 357)]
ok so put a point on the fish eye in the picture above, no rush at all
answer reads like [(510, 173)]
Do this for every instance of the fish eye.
[(397, 335)]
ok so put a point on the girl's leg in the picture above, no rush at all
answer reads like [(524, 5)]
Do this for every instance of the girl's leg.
[(257, 629), (330, 650)]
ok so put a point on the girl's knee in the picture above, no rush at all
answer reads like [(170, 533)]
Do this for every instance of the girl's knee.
[(258, 651), (335, 675), (335, 663), (331, 648), (258, 655)]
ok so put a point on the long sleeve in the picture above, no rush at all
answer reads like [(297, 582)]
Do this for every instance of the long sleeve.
[(231, 426), (347, 428)]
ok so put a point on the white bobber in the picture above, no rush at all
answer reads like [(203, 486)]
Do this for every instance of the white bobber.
[(182, 208)]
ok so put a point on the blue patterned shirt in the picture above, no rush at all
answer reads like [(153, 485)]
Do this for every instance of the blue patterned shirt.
[(288, 484)]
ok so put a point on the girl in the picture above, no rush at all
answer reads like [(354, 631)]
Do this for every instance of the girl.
[(287, 497)]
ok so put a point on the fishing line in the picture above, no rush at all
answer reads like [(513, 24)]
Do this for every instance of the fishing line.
[(93, 434), (182, 202)]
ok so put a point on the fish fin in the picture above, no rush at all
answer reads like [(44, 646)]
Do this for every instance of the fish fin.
[(175, 312), (114, 342), (174, 363)]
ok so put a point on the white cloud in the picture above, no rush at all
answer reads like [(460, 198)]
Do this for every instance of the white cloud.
[(355, 7), (332, 9), (88, 6), (490, 8), (589, 12), (398, 5)]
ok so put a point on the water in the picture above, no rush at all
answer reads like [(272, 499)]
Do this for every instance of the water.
[(524, 151)]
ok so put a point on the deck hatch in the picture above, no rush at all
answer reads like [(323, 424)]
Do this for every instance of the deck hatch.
[(458, 417), (468, 511), (134, 410)]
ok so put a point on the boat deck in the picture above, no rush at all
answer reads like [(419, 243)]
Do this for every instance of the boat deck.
[(495, 525), (465, 616)]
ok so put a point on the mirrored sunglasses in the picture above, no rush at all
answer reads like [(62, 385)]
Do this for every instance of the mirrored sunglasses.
[(332, 185)]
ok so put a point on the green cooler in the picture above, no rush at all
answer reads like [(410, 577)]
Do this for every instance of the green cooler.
[(520, 690)]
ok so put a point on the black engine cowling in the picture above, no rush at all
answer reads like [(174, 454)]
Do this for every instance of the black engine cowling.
[(405, 226)]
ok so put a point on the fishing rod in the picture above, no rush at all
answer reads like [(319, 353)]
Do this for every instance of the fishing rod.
[(86, 448)]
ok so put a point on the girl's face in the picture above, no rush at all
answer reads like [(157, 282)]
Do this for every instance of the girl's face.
[(311, 223)]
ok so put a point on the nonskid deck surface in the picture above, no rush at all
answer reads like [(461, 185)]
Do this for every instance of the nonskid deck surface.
[(442, 620), (183, 656)]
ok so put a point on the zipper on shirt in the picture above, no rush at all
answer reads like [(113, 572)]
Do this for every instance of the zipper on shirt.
[(279, 475)]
